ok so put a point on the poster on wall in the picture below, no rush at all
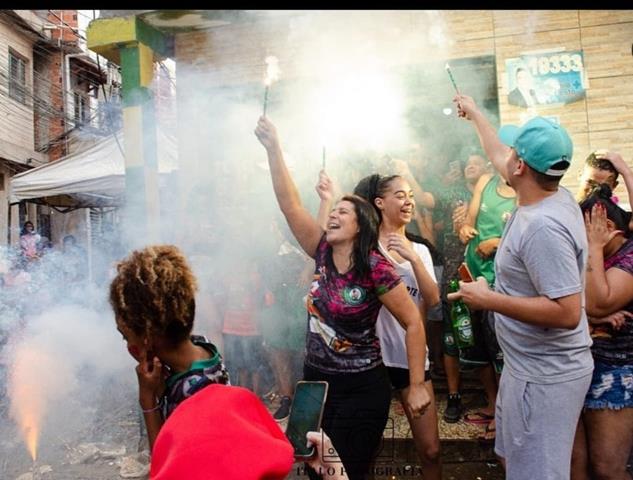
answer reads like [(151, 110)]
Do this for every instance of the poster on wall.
[(545, 78)]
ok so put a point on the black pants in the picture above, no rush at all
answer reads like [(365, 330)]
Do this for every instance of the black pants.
[(355, 416), (486, 349)]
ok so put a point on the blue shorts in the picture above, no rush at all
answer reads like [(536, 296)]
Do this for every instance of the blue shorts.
[(611, 387)]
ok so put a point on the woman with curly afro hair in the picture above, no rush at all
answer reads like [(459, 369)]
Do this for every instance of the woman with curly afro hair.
[(153, 298)]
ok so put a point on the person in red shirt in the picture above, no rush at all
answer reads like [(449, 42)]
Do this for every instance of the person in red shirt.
[(241, 333)]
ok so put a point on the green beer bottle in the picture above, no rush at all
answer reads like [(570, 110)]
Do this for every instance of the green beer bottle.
[(460, 318)]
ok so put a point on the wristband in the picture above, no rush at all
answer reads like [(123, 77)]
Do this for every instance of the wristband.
[(153, 409)]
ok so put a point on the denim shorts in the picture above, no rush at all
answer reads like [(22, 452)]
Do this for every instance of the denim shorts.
[(611, 387)]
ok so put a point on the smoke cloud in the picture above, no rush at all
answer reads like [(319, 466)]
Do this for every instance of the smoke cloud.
[(359, 85)]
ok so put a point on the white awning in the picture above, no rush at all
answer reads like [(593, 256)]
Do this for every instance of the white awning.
[(94, 177)]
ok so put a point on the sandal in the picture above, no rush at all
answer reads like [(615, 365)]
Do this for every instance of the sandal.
[(489, 435), (478, 418), (398, 409)]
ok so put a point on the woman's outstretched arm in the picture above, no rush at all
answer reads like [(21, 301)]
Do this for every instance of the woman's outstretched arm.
[(305, 228)]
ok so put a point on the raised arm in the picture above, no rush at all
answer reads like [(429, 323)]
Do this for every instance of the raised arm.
[(627, 175), (610, 291), (468, 231), (424, 220), (325, 190), (496, 151), (399, 303), (422, 198), (305, 228)]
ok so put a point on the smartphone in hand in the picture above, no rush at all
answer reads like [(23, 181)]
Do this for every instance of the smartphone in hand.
[(305, 415), (464, 273)]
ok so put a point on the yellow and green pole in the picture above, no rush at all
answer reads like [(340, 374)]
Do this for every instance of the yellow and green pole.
[(134, 46)]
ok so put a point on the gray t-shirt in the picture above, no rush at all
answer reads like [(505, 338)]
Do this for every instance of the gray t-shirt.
[(543, 252)]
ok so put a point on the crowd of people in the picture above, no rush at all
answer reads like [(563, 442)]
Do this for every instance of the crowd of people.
[(30, 269), (357, 296)]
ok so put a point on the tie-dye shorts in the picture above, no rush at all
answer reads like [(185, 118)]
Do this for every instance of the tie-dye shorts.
[(611, 387)]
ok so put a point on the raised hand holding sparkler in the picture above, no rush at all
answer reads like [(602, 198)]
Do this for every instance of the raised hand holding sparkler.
[(465, 106), (272, 75), (266, 133), (326, 190), (325, 187)]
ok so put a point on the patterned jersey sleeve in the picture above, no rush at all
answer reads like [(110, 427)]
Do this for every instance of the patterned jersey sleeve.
[(383, 274), (321, 251), (623, 259)]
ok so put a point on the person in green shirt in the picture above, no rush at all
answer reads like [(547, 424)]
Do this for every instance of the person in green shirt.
[(492, 204), (491, 207)]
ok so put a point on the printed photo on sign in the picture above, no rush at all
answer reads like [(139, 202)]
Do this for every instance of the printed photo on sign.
[(545, 79)]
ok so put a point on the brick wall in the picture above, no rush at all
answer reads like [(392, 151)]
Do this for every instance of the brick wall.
[(47, 88), (56, 125), (233, 55), (63, 19)]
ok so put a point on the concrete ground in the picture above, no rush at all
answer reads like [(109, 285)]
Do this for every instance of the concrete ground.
[(101, 438)]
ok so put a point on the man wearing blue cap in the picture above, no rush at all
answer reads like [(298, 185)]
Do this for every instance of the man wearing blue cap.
[(538, 299)]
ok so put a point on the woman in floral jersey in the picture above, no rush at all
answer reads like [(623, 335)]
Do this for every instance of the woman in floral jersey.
[(351, 282), (604, 437)]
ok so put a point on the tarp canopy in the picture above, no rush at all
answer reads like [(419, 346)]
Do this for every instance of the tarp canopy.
[(93, 177)]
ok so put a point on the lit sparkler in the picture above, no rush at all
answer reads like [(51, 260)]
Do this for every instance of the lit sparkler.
[(450, 74), (272, 75), (323, 158)]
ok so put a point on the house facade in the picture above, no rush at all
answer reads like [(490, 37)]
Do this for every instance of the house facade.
[(51, 89)]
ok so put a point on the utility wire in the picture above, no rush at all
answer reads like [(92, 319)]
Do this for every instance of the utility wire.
[(76, 32), (34, 100), (44, 109), (105, 96)]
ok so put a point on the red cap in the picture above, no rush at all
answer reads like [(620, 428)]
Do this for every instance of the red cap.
[(221, 432)]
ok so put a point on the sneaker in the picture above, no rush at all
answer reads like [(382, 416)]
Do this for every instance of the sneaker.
[(284, 409), (270, 396), (454, 408)]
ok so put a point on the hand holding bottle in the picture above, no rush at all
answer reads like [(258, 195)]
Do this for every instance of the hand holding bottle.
[(474, 294)]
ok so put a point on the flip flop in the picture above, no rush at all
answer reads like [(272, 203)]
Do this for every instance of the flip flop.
[(485, 437), (478, 418)]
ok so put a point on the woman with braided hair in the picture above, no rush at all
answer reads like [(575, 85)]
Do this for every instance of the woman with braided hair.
[(392, 198), (153, 298)]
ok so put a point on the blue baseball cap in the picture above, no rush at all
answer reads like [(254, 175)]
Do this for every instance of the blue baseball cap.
[(543, 145)]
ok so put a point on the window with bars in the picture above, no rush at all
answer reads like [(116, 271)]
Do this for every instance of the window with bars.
[(17, 77)]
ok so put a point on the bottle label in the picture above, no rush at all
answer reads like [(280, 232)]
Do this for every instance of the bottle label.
[(464, 331)]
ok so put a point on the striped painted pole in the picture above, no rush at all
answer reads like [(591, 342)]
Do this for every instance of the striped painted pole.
[(134, 45)]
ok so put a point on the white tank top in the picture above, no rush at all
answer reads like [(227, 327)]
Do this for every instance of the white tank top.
[(389, 331)]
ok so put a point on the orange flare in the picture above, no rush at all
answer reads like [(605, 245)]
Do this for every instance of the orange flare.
[(27, 395), (30, 433)]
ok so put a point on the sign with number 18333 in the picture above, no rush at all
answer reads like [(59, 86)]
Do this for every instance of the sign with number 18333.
[(548, 78)]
